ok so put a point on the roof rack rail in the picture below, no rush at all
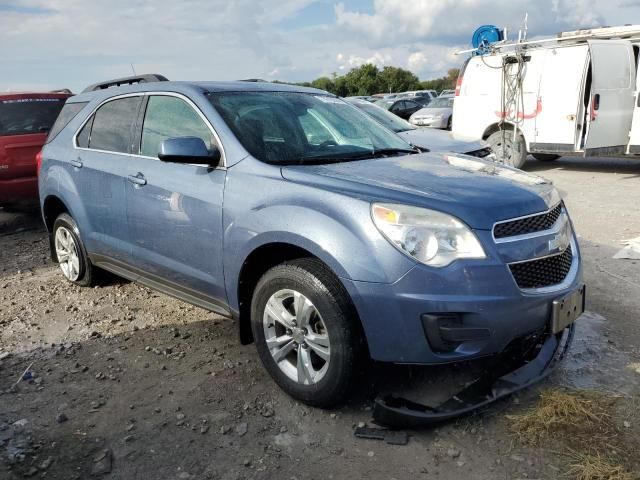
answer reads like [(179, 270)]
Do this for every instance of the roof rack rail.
[(150, 77), (252, 80)]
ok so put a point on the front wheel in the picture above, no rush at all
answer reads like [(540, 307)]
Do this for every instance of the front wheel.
[(306, 332), (508, 149)]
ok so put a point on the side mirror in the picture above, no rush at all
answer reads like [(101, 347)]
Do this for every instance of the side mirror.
[(188, 150)]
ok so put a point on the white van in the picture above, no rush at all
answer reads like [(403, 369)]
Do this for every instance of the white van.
[(573, 94)]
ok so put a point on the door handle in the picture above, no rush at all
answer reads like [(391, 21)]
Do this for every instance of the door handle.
[(596, 101), (76, 163), (138, 179)]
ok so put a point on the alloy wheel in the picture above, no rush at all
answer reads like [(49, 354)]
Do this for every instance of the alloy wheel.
[(296, 337), (67, 253)]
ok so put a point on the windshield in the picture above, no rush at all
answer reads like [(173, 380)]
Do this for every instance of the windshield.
[(293, 127), (385, 117), (441, 103), (23, 116)]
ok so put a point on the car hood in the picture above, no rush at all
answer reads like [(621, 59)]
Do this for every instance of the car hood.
[(441, 141), (476, 191), (430, 111)]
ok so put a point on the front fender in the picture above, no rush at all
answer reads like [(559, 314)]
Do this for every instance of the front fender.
[(334, 227)]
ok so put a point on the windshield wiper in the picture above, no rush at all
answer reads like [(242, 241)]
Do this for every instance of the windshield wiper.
[(347, 157)]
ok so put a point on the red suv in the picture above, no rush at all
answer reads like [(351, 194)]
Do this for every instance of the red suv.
[(25, 120)]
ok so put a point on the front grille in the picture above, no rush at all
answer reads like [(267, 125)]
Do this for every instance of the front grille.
[(522, 226), (543, 272)]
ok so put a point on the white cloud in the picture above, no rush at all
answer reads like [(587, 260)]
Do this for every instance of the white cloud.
[(417, 61), (403, 21), (72, 43)]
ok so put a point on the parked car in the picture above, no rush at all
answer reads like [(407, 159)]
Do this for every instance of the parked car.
[(25, 120), (419, 99), (322, 233), (446, 93), (425, 139), (367, 98), (438, 114), (403, 108), (430, 94)]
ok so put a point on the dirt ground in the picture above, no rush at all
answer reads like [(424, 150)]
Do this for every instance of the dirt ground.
[(126, 383)]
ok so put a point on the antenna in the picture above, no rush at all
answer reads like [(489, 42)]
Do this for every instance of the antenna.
[(133, 69)]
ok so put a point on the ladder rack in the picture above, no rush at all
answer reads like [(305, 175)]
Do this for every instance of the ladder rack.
[(625, 32)]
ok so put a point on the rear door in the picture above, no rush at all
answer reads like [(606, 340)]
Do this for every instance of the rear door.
[(634, 137), (612, 92), (557, 114), (175, 210), (99, 168)]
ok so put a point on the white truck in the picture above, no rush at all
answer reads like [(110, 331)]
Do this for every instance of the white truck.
[(574, 94)]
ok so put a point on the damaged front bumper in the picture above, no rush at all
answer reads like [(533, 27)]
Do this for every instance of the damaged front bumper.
[(515, 369)]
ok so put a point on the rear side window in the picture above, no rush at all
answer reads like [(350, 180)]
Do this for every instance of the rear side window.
[(68, 113), (113, 122), (169, 117), (22, 116)]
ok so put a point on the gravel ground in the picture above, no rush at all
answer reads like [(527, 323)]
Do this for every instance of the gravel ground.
[(127, 383)]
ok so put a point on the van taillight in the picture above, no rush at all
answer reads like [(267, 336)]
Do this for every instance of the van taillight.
[(38, 161), (458, 86)]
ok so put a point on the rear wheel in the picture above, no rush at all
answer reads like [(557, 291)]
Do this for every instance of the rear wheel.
[(70, 253), (545, 157), (306, 332), (450, 123), (508, 150)]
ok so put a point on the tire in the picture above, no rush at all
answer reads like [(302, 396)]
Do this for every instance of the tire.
[(514, 152), (316, 367), (450, 123), (545, 157), (65, 240)]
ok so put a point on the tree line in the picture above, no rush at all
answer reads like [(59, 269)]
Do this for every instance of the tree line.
[(368, 79)]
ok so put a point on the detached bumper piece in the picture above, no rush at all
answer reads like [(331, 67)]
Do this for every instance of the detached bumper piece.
[(520, 366)]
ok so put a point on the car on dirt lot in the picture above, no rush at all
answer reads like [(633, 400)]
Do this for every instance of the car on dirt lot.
[(327, 237), (25, 120), (438, 114), (403, 108), (425, 139)]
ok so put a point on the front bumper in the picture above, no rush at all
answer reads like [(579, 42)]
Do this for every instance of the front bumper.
[(509, 372), (429, 122), (481, 294)]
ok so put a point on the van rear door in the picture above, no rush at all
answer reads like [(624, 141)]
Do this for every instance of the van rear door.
[(611, 105), (557, 117)]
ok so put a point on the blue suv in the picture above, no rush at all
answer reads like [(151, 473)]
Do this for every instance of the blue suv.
[(327, 237)]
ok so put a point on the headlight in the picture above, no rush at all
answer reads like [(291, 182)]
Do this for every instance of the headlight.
[(433, 238)]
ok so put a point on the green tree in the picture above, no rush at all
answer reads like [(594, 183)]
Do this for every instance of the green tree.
[(323, 83), (362, 80), (394, 79)]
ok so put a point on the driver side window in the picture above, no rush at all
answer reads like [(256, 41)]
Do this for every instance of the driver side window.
[(168, 117)]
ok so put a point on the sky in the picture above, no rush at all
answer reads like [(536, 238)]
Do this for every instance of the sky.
[(50, 44)]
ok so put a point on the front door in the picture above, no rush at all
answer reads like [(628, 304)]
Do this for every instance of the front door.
[(174, 210), (611, 105)]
